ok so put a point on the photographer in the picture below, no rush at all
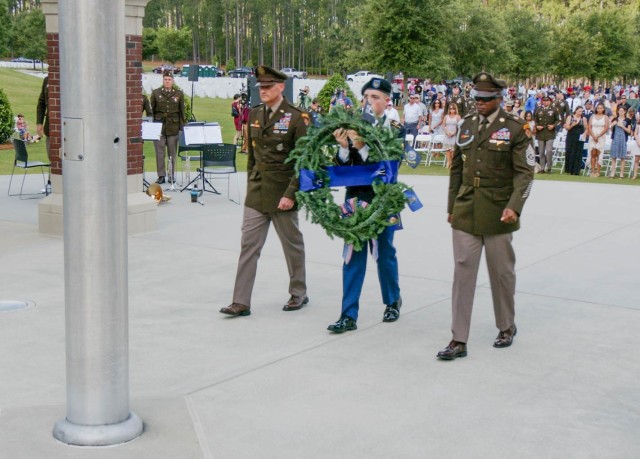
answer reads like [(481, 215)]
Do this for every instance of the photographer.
[(303, 98), (340, 98)]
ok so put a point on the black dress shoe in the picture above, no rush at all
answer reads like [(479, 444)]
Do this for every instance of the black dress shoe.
[(453, 350), (505, 338), (160, 180), (295, 303), (236, 309), (342, 325), (392, 313)]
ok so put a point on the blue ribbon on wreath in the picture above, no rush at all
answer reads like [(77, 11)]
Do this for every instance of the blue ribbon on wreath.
[(386, 171)]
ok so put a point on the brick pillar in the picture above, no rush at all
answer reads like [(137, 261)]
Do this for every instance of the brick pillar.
[(141, 208), (134, 104), (55, 131)]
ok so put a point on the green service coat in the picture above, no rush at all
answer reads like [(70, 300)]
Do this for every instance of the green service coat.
[(545, 116), (168, 108), (489, 173), (270, 142)]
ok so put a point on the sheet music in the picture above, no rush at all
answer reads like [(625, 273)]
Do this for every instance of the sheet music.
[(212, 133), (202, 134), (151, 131)]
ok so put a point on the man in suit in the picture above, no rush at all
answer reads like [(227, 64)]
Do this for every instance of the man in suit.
[(491, 177), (354, 152), (167, 105), (274, 127)]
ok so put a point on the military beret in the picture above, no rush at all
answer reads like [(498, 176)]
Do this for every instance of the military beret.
[(546, 97), (378, 84), (268, 76), (485, 82)]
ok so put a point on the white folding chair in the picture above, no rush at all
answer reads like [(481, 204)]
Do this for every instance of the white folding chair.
[(409, 138), (422, 142), (437, 150)]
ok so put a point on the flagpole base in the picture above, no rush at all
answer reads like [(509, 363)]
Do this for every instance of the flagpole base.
[(100, 435)]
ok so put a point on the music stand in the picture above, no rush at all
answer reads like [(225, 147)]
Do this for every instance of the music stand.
[(150, 131), (202, 134)]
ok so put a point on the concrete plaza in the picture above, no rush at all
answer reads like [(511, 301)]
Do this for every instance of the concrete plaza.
[(278, 385)]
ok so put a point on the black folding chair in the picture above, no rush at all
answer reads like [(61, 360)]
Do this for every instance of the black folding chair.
[(219, 160), (22, 161)]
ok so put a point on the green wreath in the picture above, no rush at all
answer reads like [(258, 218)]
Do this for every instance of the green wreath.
[(317, 150)]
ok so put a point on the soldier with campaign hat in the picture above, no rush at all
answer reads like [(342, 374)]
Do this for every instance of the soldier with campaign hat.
[(458, 99), (546, 118), (490, 180), (274, 127), (167, 106), (354, 152)]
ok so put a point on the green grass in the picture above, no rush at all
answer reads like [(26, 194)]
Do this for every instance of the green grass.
[(23, 91)]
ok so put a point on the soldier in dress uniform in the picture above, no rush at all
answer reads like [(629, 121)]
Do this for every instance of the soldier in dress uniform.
[(471, 102), (274, 127), (563, 109), (546, 118), (354, 152), (491, 177), (458, 99), (167, 105)]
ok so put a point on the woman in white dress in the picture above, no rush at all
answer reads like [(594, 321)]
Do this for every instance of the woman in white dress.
[(435, 117), (451, 121), (598, 128)]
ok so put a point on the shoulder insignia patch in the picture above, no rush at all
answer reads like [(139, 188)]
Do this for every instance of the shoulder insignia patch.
[(395, 124)]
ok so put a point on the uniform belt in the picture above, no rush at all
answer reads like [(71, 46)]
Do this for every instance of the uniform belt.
[(478, 182), (274, 167)]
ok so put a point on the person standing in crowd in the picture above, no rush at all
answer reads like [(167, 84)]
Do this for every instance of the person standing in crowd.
[(236, 113), (531, 103), (436, 117), (274, 127), (573, 102), (563, 110), (598, 128), (451, 121), (412, 115), (576, 126), (457, 99), (42, 116), (354, 152), (391, 113), (620, 130), (167, 105), (146, 106), (517, 108), (490, 180), (314, 112), (340, 99), (546, 119), (396, 89)]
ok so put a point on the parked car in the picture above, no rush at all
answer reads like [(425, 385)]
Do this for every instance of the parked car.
[(241, 72), (362, 76), (164, 67), (293, 73)]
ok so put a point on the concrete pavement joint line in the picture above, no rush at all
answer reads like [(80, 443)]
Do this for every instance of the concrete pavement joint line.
[(562, 252), (561, 298), (197, 426)]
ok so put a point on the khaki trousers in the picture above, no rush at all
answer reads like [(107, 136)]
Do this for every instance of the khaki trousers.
[(501, 259), (255, 226), (171, 143)]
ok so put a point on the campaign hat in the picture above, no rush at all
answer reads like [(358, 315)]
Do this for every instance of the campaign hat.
[(268, 76), (487, 85)]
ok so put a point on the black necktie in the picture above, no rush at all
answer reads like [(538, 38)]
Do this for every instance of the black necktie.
[(483, 125)]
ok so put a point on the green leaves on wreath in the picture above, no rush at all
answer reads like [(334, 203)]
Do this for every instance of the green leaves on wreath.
[(317, 150)]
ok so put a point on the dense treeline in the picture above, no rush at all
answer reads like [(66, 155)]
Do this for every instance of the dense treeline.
[(557, 39)]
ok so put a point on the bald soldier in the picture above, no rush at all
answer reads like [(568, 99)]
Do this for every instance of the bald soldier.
[(274, 128), (491, 177)]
